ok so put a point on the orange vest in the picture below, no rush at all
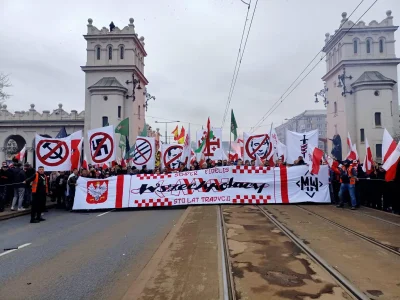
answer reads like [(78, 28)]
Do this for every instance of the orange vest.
[(352, 179), (35, 183)]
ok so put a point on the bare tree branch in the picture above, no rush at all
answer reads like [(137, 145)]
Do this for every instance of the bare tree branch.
[(4, 83)]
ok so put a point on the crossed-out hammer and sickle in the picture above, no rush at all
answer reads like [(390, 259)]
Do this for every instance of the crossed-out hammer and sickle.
[(53, 152)]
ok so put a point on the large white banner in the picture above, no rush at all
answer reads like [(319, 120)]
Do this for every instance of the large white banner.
[(143, 152), (101, 145), (222, 185), (213, 149), (297, 144), (259, 145), (53, 154)]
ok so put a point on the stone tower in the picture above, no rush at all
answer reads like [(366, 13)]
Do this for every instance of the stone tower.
[(114, 79), (364, 100)]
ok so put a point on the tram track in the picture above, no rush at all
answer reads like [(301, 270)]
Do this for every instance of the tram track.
[(378, 218), (392, 249), (232, 293)]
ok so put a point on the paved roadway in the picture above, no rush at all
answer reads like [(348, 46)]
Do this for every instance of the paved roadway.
[(79, 255)]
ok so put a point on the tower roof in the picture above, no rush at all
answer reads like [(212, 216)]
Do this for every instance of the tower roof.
[(107, 82), (373, 77)]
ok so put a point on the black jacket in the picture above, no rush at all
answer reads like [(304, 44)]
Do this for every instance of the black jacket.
[(18, 177)]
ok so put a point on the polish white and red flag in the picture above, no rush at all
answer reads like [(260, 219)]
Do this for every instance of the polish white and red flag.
[(21, 154), (368, 164), (76, 156), (388, 145), (241, 147), (85, 164), (352, 149), (391, 164), (316, 156)]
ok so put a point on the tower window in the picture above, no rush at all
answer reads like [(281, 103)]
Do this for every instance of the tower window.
[(381, 46), (98, 53), (355, 46), (110, 53), (105, 121), (139, 112), (335, 107), (121, 52), (368, 46), (362, 135), (378, 121), (119, 112), (378, 150)]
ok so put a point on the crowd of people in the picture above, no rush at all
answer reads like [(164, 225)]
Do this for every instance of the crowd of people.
[(22, 187)]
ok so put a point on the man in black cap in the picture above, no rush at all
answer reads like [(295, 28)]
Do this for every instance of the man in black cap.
[(4, 180)]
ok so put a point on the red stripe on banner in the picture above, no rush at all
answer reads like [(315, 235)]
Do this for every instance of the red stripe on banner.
[(284, 184), (120, 191)]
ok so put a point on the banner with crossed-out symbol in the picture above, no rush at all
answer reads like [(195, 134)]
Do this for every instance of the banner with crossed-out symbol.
[(53, 154), (143, 152), (101, 144)]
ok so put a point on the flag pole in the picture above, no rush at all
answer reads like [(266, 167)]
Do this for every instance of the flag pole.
[(230, 138)]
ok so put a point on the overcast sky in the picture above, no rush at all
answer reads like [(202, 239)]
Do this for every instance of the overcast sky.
[(192, 47)]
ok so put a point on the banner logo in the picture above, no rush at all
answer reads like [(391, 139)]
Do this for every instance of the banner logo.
[(101, 147), (52, 152), (143, 151), (173, 157), (309, 183), (97, 191), (258, 145)]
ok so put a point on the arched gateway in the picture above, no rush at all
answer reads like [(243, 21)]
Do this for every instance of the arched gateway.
[(19, 128)]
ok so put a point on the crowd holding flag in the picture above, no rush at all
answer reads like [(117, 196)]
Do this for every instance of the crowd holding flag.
[(368, 165)]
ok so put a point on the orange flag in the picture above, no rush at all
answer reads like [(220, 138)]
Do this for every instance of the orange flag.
[(181, 137)]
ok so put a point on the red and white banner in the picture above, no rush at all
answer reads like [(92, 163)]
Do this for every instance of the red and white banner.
[(101, 145), (53, 154), (213, 148), (260, 145), (222, 185), (143, 152), (388, 145)]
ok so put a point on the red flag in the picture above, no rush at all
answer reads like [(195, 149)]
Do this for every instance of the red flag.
[(388, 145), (85, 164), (316, 155), (352, 152), (175, 133), (104, 166), (391, 164), (76, 155), (123, 163), (368, 161), (21, 154)]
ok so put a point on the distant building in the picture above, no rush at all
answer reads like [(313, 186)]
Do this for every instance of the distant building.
[(365, 101), (306, 121)]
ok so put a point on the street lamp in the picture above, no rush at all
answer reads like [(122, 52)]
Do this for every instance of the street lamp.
[(148, 98), (166, 129), (135, 82), (323, 94), (342, 83)]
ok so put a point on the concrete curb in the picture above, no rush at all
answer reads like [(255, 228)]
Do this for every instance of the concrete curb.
[(22, 213)]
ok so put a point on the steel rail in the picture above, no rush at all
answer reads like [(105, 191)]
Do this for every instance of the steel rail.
[(377, 218), (227, 277), (343, 282), (391, 249)]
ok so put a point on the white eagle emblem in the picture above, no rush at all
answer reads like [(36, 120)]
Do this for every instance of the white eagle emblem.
[(97, 191)]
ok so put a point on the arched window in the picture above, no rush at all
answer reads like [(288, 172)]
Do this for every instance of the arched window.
[(98, 52), (335, 107), (104, 121), (368, 45), (110, 50), (381, 45), (355, 46), (121, 52)]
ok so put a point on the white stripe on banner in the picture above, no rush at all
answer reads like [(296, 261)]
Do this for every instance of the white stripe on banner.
[(222, 185)]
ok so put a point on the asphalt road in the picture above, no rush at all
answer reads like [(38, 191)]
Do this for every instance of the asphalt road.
[(94, 255)]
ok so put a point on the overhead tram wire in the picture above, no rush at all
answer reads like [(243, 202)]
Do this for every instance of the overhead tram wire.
[(240, 63), (237, 59), (283, 97)]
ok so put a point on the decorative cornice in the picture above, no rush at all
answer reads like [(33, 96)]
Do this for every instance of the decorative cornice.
[(133, 68), (360, 62)]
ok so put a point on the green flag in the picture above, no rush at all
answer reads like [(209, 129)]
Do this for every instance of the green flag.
[(233, 126), (122, 143), (203, 143), (123, 127), (144, 131)]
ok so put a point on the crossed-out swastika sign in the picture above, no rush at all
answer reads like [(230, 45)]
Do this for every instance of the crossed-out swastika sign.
[(143, 152), (101, 147), (52, 152)]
